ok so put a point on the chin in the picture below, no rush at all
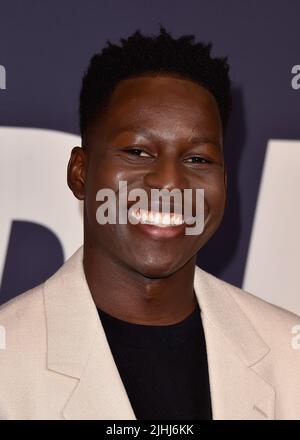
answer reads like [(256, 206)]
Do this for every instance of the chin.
[(157, 268), (157, 272)]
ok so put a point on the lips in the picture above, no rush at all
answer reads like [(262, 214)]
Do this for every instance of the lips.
[(160, 219), (159, 232), (158, 214), (157, 225)]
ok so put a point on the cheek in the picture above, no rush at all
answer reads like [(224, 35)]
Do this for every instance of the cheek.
[(99, 176), (215, 195), (102, 176), (96, 180)]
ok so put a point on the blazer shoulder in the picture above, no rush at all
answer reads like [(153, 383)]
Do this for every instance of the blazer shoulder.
[(272, 322), (24, 310)]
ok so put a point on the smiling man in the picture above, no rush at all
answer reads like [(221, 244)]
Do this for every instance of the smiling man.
[(130, 327)]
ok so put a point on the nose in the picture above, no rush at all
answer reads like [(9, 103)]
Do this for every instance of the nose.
[(166, 173)]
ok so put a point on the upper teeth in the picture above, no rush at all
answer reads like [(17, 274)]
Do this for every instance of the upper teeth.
[(157, 218)]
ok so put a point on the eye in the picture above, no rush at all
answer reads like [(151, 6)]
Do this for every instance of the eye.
[(198, 160), (137, 152)]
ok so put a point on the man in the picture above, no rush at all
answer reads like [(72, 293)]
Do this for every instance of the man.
[(130, 327)]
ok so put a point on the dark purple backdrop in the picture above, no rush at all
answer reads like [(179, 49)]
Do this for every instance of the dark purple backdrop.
[(45, 47)]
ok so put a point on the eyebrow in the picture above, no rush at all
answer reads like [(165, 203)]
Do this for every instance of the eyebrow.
[(147, 132), (203, 140)]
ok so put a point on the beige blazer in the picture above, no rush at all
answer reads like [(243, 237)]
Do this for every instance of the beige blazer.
[(57, 363)]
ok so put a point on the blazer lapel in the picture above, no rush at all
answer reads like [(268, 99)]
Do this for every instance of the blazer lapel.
[(78, 347), (233, 349), (100, 393)]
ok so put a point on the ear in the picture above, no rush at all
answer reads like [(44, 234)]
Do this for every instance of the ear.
[(77, 172)]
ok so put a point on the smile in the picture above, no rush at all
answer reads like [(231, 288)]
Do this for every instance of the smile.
[(156, 218)]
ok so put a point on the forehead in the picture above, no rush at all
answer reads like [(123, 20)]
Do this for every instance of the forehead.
[(163, 103)]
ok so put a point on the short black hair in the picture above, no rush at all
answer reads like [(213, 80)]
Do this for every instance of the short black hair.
[(140, 54)]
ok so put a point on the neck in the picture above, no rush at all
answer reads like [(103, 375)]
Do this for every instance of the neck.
[(128, 295)]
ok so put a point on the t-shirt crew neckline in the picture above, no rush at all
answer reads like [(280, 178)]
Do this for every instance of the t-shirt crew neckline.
[(147, 335)]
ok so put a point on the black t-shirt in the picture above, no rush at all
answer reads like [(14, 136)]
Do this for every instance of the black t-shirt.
[(163, 368)]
